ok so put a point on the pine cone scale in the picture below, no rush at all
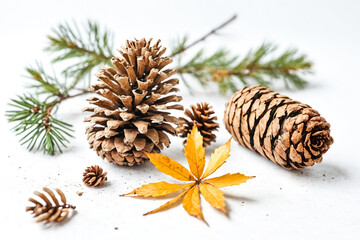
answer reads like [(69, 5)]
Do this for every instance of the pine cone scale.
[(50, 212), (285, 131)]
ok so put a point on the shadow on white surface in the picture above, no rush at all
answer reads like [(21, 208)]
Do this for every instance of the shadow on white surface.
[(239, 198), (60, 224), (322, 171), (236, 202), (104, 185)]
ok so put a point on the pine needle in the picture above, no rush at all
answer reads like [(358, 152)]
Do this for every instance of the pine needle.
[(89, 47)]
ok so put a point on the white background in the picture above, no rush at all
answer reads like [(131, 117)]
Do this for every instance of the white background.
[(321, 202)]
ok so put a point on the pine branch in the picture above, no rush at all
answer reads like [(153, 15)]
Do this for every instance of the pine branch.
[(219, 67), (34, 116), (44, 83), (89, 47), (36, 123), (85, 49), (40, 130), (253, 68)]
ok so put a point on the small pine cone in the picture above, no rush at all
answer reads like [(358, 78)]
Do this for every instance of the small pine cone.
[(201, 116), (132, 118), (94, 176), (285, 131)]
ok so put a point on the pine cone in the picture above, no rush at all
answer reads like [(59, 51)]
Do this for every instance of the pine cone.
[(94, 176), (285, 131), (132, 120), (201, 116), (50, 212)]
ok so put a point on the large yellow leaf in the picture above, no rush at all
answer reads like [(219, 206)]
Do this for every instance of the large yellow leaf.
[(158, 189), (195, 152), (190, 195), (217, 159), (170, 167), (169, 204), (228, 180), (191, 203), (213, 195)]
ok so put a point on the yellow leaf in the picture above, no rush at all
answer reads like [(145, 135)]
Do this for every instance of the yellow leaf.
[(217, 159), (191, 203), (170, 167), (228, 180), (195, 152), (213, 195), (169, 204), (158, 189), (190, 196)]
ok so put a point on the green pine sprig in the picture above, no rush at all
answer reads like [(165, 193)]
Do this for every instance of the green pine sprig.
[(257, 67), (36, 124), (34, 114), (88, 47)]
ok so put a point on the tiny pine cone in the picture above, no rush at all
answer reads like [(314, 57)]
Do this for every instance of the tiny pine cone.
[(94, 176)]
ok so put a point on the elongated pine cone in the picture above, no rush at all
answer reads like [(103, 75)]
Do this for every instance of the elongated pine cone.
[(285, 131), (48, 211), (94, 176), (132, 116), (201, 116)]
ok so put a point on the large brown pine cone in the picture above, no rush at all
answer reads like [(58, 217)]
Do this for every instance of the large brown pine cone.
[(202, 116), (131, 118), (285, 131)]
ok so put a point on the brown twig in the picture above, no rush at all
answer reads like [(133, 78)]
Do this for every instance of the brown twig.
[(245, 72), (204, 37), (52, 105)]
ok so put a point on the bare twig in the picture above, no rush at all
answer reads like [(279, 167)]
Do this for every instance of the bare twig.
[(205, 36), (52, 105)]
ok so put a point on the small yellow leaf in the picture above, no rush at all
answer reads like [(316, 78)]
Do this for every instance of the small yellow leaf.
[(195, 152), (169, 204), (170, 167), (158, 189), (213, 195), (217, 159), (191, 203), (228, 180)]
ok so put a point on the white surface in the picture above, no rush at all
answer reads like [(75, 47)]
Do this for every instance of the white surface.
[(321, 202)]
